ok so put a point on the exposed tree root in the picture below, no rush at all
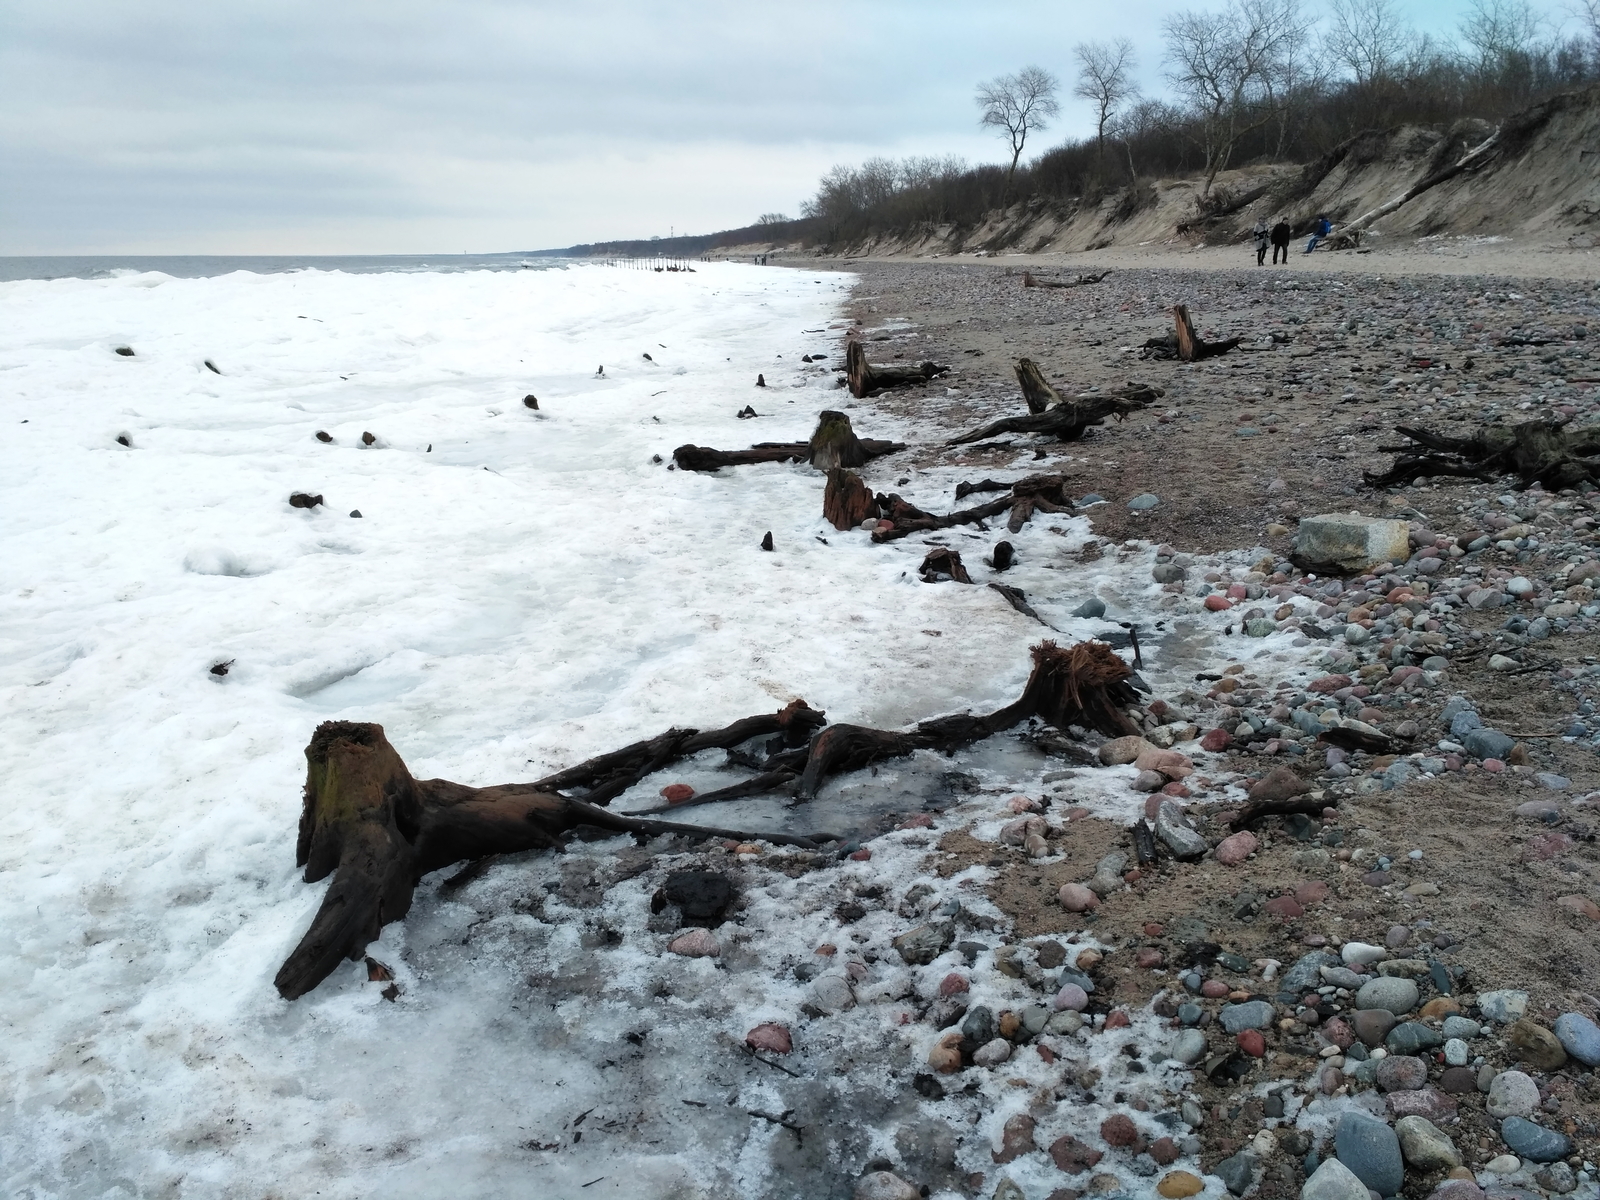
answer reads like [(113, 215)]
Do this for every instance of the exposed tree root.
[(377, 830), (834, 444), (1030, 281), (1542, 451), (1063, 417), (868, 379), (1183, 343), (1045, 493)]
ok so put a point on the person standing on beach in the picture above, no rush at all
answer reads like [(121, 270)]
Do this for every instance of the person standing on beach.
[(1260, 232), (1280, 241), (1320, 230)]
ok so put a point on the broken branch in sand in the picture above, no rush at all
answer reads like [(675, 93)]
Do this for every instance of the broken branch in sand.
[(866, 378), (377, 830), (1047, 493)]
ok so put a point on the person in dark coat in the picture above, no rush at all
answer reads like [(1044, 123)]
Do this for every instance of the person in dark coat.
[(1280, 241), (1260, 235)]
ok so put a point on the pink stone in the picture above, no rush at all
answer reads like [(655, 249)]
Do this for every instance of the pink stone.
[(1237, 591), (1214, 989), (1545, 846), (916, 821), (1217, 603), (1425, 1102), (1118, 1018), (1234, 849), (862, 855), (1216, 740), (1071, 998), (1313, 891), (1283, 906), (1251, 1042), (676, 793), (1148, 958), (1493, 765), (1152, 805), (695, 943), (1167, 762), (771, 1037), (1075, 897), (1328, 683), (1179, 790), (952, 984), (1340, 1034)]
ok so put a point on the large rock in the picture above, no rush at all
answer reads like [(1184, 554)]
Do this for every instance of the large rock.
[(1173, 829), (1390, 992), (920, 946), (1512, 1094), (1425, 1146), (1534, 1142), (1351, 543), (1580, 1037), (1371, 1150)]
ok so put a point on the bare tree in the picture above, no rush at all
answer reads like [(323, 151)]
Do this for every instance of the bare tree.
[(1019, 105), (1142, 121), (1368, 37), (1105, 71), (1501, 31), (1223, 63)]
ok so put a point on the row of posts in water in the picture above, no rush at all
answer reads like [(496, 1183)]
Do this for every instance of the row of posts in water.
[(659, 263)]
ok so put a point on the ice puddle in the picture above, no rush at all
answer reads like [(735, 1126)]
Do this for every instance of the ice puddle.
[(522, 590)]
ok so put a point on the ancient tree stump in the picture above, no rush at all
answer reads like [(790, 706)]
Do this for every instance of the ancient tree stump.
[(1191, 346), (867, 378), (846, 501), (834, 443)]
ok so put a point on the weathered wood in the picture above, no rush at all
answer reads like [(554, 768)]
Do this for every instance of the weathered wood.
[(866, 379), (1019, 601), (1029, 280), (1191, 346), (377, 831), (1546, 452), (966, 516), (1068, 421), (846, 501), (942, 560), (833, 444), (1021, 511), (1036, 389)]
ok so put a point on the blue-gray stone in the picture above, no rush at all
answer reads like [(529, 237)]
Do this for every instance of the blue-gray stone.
[(1144, 501), (1411, 1038), (1260, 627), (1398, 774), (1580, 1037), (1237, 1172), (1465, 1028), (1088, 500), (1441, 978), (1307, 971), (1534, 1142), (1464, 723), (1190, 1014), (1453, 706), (979, 1025), (1371, 1150), (1073, 975), (1252, 1014), (1487, 743), (1091, 609)]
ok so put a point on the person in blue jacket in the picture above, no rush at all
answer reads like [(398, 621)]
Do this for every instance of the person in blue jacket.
[(1320, 229)]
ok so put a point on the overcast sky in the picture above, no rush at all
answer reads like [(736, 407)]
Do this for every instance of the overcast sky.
[(347, 126)]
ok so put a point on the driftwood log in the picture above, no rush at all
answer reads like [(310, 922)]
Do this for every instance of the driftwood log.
[(377, 830), (1030, 281), (833, 444), (1041, 493), (1545, 452), (1060, 416), (867, 379)]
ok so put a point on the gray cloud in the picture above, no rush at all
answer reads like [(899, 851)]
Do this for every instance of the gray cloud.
[(481, 124)]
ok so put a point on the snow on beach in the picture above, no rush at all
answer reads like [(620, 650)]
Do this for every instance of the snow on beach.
[(521, 590)]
